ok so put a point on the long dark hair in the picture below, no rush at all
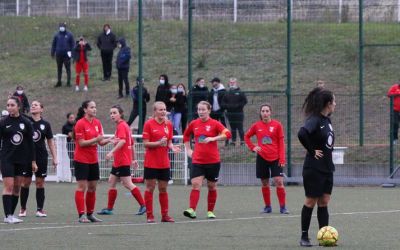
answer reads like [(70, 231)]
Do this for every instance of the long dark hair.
[(81, 111), (16, 99), (166, 79), (267, 104), (317, 100), (120, 110)]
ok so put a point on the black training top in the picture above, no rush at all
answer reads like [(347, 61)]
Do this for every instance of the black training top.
[(41, 131), (317, 134), (17, 141)]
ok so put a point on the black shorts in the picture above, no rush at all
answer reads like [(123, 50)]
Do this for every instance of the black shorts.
[(85, 171), (267, 169), (209, 171), (317, 183), (122, 171), (41, 171), (156, 173), (12, 169)]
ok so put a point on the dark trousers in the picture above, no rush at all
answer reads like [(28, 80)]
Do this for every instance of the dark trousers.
[(396, 120), (66, 61), (135, 113), (236, 123), (106, 58), (123, 79), (219, 116)]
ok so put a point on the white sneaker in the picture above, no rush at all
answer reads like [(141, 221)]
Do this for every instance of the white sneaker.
[(22, 213), (76, 88), (10, 219), (41, 213), (85, 88), (16, 220), (171, 182)]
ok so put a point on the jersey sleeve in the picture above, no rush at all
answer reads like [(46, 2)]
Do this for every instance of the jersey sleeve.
[(146, 131), (188, 132), (391, 90), (311, 124), (79, 131), (120, 133), (221, 129), (170, 131), (247, 137), (101, 131), (49, 132), (281, 144)]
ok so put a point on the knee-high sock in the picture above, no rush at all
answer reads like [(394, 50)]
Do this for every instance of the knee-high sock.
[(212, 199), (40, 198), (24, 196), (138, 196), (266, 195), (148, 197), (194, 198), (163, 198), (112, 196), (15, 199), (306, 214), (80, 202), (323, 216), (7, 204), (90, 202), (281, 193)]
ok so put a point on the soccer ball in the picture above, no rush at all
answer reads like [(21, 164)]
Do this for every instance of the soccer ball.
[(328, 236)]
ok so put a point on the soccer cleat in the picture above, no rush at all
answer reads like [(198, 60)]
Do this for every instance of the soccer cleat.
[(167, 218), (150, 219), (305, 242), (267, 210), (283, 210), (141, 210), (76, 88), (210, 215), (41, 213), (93, 219), (190, 213), (105, 211), (22, 213), (16, 220), (85, 88), (10, 219), (83, 219)]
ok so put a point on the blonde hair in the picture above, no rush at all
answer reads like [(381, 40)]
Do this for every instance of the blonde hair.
[(157, 104), (207, 104)]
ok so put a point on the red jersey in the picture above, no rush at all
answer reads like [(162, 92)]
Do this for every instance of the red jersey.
[(123, 156), (153, 131), (395, 90), (86, 130), (204, 153), (269, 139)]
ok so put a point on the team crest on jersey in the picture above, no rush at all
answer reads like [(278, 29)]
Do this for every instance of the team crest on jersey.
[(42, 126), (22, 126), (208, 127), (17, 138), (271, 129), (96, 128)]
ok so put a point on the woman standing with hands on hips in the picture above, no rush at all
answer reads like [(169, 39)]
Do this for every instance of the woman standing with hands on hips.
[(205, 157), (270, 151), (317, 137)]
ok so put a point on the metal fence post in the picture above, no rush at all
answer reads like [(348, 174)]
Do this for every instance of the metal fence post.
[(162, 10), (78, 9), (288, 87), (361, 69), (116, 9), (234, 11), (181, 9), (29, 8), (17, 7), (129, 10), (140, 64), (391, 137), (398, 10), (340, 11)]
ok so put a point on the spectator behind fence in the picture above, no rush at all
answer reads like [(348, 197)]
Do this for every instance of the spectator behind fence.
[(177, 102), (199, 93), (122, 63), (182, 90), (61, 49), (395, 92), (163, 93), (81, 62), (135, 101), (233, 102), (107, 42), (215, 99), (67, 129), (20, 93)]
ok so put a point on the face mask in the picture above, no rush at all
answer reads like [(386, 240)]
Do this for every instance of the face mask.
[(62, 29), (20, 92), (162, 82), (201, 85), (233, 87), (180, 90), (174, 91), (108, 32)]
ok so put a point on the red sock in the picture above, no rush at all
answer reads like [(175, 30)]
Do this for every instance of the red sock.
[(281, 193), (90, 201), (112, 196), (212, 199), (148, 198), (266, 195), (194, 198), (86, 80), (163, 198), (80, 202), (138, 196)]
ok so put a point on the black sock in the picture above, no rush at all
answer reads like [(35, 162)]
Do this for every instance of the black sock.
[(323, 216), (15, 199), (40, 198), (7, 204), (306, 214), (24, 196)]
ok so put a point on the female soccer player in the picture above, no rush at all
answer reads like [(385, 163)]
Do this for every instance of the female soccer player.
[(41, 133), (123, 152), (270, 151), (317, 137), (157, 139), (17, 152), (88, 133), (205, 157)]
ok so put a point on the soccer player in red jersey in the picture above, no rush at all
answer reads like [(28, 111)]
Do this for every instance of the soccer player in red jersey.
[(123, 152), (270, 151), (157, 139), (205, 157), (88, 133)]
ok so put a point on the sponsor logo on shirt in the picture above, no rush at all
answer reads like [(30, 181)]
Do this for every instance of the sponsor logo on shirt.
[(36, 136), (266, 140), (17, 138)]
